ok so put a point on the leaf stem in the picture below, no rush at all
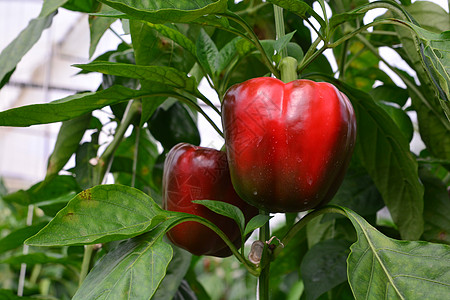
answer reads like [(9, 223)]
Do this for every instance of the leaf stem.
[(303, 221), (255, 271)]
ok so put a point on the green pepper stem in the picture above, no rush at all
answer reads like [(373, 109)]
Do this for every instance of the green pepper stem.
[(288, 69)]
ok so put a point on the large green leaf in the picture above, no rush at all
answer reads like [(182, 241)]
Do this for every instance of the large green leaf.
[(147, 51), (160, 11), (101, 214), (324, 267), (384, 152), (437, 208), (69, 107), (176, 271), (133, 270), (175, 36), (13, 53), (358, 191), (174, 125), (207, 52), (157, 74), (379, 267)]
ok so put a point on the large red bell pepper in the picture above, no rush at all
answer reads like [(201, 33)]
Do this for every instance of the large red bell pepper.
[(288, 145), (198, 173)]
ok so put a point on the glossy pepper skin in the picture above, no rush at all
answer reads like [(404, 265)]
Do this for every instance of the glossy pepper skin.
[(199, 173), (288, 145)]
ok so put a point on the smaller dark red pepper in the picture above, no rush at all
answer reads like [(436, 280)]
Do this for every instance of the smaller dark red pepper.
[(198, 173)]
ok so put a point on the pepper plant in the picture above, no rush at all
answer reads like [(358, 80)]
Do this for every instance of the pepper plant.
[(384, 233)]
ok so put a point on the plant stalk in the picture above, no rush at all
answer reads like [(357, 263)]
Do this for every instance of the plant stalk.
[(279, 28), (85, 265), (263, 280)]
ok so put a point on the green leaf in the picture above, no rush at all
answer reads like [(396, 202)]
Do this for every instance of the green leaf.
[(13, 53), (436, 210), (101, 214), (161, 12), (158, 74), (133, 270), (97, 27), (300, 8), (282, 42), (435, 53), (85, 172), (173, 126), (207, 52), (390, 93), (401, 119), (358, 191), (225, 209), (324, 267), (384, 152), (67, 142), (86, 6), (146, 51), (69, 107), (16, 238), (379, 267), (433, 123), (255, 223), (226, 55), (427, 50)]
